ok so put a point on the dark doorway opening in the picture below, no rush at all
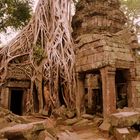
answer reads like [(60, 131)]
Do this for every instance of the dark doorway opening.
[(16, 101), (61, 95), (93, 95), (98, 101), (61, 89), (121, 80), (35, 98)]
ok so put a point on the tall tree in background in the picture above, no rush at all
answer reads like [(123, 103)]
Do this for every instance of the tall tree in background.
[(14, 13), (131, 9)]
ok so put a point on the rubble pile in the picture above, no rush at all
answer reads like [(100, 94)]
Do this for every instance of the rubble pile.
[(7, 118), (125, 125), (14, 127)]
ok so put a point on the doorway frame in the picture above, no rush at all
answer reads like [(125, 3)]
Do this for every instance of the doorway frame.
[(23, 97)]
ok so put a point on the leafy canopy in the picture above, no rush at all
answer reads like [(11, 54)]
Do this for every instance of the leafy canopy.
[(131, 9), (14, 13)]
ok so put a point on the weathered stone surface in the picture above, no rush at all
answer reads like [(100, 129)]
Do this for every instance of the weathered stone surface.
[(70, 114), (23, 131), (44, 135), (125, 119), (82, 122), (103, 16), (102, 52), (8, 118), (88, 116), (60, 112), (71, 121), (68, 136), (138, 137), (64, 112), (122, 134), (98, 121), (16, 74), (19, 84), (105, 126)]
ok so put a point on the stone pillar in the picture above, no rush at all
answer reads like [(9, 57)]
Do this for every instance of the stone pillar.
[(131, 89), (90, 100), (5, 98), (25, 104), (108, 90), (90, 85), (80, 92)]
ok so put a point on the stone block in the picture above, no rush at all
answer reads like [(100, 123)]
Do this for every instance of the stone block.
[(138, 137), (122, 134), (67, 136), (137, 91), (124, 119), (105, 126), (19, 84), (107, 48), (91, 59), (4, 97), (21, 131), (138, 99), (87, 116), (71, 121), (70, 114), (99, 57)]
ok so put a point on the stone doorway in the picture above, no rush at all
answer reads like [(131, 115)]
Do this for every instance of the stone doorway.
[(16, 101), (121, 81), (93, 94)]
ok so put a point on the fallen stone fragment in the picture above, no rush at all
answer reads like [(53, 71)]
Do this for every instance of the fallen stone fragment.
[(71, 121), (70, 114), (105, 126), (23, 131), (98, 121), (122, 134), (124, 119), (138, 137), (82, 122), (60, 112), (87, 116), (44, 135), (68, 136)]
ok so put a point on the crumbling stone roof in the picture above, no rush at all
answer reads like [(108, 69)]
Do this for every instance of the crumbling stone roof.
[(98, 16), (95, 51)]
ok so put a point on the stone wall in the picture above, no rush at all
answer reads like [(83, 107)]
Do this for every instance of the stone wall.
[(15, 73), (95, 51), (98, 16), (138, 79)]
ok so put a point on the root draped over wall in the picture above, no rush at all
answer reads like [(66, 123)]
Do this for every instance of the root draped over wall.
[(48, 49)]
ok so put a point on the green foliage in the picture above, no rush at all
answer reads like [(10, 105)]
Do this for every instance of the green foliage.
[(132, 5), (132, 10), (14, 13), (38, 54)]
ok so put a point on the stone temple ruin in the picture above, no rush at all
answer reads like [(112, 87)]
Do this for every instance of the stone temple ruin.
[(107, 63), (15, 92)]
